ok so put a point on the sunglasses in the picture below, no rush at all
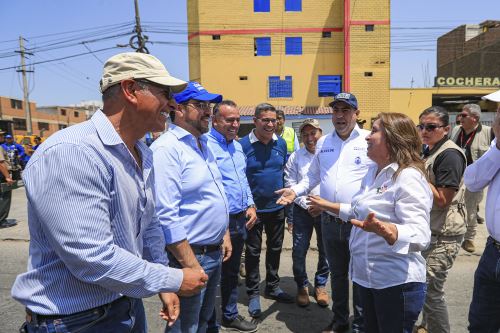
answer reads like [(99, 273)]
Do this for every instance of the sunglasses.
[(165, 90), (429, 127), (200, 106), (462, 115)]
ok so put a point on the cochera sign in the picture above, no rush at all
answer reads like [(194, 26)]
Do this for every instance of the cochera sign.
[(443, 81)]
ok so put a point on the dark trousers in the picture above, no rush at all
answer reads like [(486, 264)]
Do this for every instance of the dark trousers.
[(484, 311), (274, 225), (231, 268), (303, 226), (336, 242), (5, 201), (393, 309)]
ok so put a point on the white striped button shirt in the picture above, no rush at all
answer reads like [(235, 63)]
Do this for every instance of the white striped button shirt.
[(92, 220)]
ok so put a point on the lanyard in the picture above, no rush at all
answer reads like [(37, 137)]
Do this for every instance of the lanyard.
[(469, 140)]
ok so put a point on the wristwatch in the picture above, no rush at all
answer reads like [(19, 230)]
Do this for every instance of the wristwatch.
[(251, 206)]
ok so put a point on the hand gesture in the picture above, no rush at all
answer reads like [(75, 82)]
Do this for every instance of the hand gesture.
[(251, 215), (227, 247), (316, 203), (386, 230), (315, 211), (193, 282), (171, 307), (287, 196)]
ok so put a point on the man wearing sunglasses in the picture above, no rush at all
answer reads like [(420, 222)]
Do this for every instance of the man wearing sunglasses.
[(96, 243), (475, 139), (191, 203), (445, 163)]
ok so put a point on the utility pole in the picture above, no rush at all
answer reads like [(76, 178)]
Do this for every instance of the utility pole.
[(138, 42), (23, 70)]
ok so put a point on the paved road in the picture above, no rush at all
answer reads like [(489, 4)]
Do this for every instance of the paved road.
[(14, 243)]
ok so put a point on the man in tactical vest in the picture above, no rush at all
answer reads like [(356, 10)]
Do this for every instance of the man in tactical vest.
[(445, 163), (474, 139)]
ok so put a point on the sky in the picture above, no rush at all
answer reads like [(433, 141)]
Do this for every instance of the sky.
[(83, 34)]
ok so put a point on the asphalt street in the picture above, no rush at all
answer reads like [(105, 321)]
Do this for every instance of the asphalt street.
[(14, 244)]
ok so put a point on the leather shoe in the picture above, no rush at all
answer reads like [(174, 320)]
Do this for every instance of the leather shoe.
[(334, 327), (321, 296), (421, 329), (468, 246), (303, 297), (239, 324), (279, 296)]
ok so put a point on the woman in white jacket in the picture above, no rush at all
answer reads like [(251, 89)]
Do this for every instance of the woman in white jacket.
[(391, 212)]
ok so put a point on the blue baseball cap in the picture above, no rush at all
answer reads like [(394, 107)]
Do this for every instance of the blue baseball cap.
[(347, 98), (8, 136), (195, 91)]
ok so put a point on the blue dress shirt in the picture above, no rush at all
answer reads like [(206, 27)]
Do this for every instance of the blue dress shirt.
[(232, 165), (191, 203), (92, 221)]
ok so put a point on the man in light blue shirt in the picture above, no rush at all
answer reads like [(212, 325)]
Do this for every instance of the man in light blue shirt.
[(191, 203), (96, 246), (242, 214)]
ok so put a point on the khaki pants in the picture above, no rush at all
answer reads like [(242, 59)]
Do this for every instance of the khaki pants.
[(440, 257), (472, 200)]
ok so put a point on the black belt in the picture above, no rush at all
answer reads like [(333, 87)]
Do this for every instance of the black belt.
[(336, 219), (202, 249), (32, 317), (237, 215), (495, 242), (444, 238)]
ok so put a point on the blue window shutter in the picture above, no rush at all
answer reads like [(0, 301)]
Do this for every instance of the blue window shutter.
[(293, 45), (263, 46), (293, 5), (329, 85), (261, 6), (280, 88)]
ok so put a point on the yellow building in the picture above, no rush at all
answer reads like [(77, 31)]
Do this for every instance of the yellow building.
[(413, 101), (292, 53)]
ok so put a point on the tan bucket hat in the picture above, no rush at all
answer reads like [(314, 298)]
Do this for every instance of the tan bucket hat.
[(311, 122), (134, 65)]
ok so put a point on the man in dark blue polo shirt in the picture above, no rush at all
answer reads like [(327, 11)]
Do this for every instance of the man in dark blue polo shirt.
[(266, 158)]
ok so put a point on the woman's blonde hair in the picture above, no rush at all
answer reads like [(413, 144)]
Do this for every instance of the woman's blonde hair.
[(403, 141)]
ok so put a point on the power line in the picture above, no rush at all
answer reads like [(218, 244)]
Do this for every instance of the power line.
[(62, 58)]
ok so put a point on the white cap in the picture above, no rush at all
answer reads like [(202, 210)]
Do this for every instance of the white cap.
[(134, 65), (495, 97)]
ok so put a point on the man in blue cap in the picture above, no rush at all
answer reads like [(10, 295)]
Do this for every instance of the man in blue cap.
[(16, 155), (191, 203)]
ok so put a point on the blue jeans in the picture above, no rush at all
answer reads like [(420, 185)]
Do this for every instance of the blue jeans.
[(196, 310), (231, 268), (485, 308), (303, 226), (336, 243), (123, 315), (393, 309)]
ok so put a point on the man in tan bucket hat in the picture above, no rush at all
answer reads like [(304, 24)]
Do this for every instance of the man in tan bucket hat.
[(96, 245)]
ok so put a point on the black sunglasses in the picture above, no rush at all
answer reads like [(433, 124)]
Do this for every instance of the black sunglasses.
[(429, 127)]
